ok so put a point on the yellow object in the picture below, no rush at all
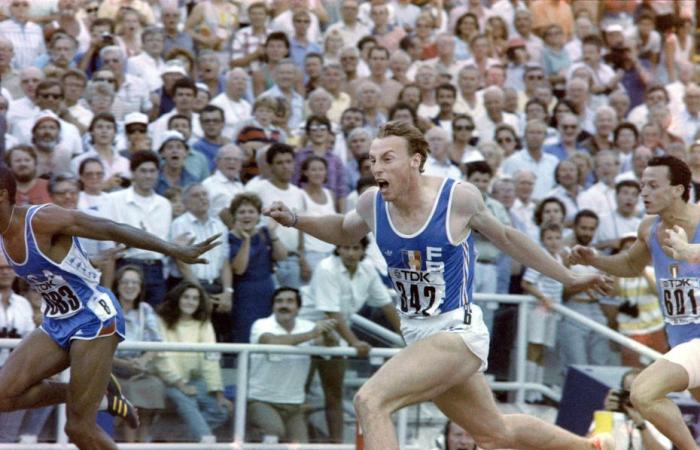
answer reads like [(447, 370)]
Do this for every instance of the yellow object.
[(603, 422)]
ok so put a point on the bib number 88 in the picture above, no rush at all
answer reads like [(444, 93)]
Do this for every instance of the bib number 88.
[(416, 299)]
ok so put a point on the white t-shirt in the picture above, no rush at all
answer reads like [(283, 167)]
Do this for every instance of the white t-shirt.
[(315, 209), (293, 197), (332, 289), (266, 382)]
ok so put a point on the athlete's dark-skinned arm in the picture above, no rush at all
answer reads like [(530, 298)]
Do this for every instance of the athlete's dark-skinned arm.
[(628, 263), (469, 202), (58, 221), (336, 229)]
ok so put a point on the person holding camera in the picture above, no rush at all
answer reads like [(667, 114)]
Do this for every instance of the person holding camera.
[(630, 429), (639, 315)]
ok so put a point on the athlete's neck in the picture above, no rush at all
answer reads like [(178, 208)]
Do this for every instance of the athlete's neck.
[(415, 194), (678, 214)]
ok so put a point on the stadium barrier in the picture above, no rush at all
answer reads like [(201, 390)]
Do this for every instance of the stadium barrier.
[(376, 356)]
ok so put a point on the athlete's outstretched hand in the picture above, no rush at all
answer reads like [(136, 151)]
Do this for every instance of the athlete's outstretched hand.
[(594, 283), (190, 253), (675, 244), (580, 254), (281, 213)]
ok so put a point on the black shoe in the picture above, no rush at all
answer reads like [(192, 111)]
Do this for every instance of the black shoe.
[(119, 406)]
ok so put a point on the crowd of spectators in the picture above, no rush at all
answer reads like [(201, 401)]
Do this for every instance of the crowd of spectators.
[(186, 118)]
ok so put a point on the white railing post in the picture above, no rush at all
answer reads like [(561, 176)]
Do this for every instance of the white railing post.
[(241, 398), (61, 437), (521, 351), (403, 427)]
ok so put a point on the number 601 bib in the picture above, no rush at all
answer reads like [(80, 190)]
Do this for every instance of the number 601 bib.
[(681, 300)]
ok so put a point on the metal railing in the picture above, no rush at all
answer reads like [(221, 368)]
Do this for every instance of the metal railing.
[(519, 385)]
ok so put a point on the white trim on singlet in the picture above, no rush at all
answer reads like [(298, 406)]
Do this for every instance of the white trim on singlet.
[(38, 249), (447, 220), (427, 222), (26, 245)]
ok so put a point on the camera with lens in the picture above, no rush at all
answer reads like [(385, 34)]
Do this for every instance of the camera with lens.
[(9, 334), (623, 400), (629, 309)]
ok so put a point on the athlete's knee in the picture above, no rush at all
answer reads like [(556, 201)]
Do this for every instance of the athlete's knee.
[(642, 396), (493, 439), (79, 430), (368, 402)]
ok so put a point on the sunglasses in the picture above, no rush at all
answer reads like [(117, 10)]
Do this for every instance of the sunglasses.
[(506, 140), (133, 130), (91, 10), (535, 77), (107, 80), (52, 96)]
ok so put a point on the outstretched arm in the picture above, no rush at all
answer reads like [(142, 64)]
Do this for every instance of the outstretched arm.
[(628, 263), (518, 244), (337, 229), (55, 220)]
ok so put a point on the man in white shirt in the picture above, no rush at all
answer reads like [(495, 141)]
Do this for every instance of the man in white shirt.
[(236, 108), (283, 22), (341, 284), (438, 163), (600, 198), (132, 92), (523, 208), (533, 158), (16, 321), (294, 270), (27, 37), (623, 220), (149, 64), (469, 98), (140, 207), (215, 276), (686, 123), (349, 27), (25, 108), (184, 93), (495, 114), (225, 183), (274, 402)]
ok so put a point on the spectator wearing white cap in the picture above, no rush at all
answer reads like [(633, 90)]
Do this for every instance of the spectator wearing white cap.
[(52, 156), (136, 130), (149, 64), (173, 150), (236, 108), (172, 71)]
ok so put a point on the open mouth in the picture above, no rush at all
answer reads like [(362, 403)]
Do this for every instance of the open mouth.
[(383, 185)]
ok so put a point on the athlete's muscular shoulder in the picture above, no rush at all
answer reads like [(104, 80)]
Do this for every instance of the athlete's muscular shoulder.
[(644, 230), (52, 219), (467, 202), (365, 206)]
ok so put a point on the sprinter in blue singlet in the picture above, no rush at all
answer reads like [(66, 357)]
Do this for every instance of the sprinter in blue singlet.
[(663, 241), (82, 323), (423, 227)]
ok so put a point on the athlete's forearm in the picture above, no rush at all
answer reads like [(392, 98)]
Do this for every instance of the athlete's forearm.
[(524, 250), (327, 228), (619, 265), (106, 230)]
